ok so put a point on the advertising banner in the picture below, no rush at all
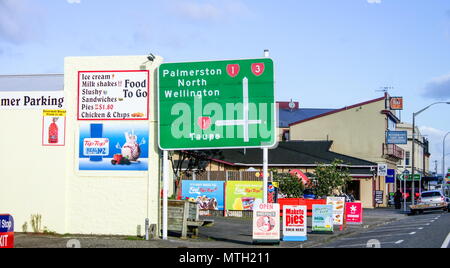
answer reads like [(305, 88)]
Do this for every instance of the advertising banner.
[(209, 195), (322, 220), (338, 204), (354, 213), (54, 128), (6, 231), (114, 146), (113, 95), (266, 223), (31, 100), (243, 195), (396, 103), (295, 223)]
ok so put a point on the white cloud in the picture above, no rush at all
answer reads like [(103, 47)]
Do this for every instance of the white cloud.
[(74, 1), (374, 1)]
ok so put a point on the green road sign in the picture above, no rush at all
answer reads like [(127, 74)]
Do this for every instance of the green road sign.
[(217, 105), (417, 177)]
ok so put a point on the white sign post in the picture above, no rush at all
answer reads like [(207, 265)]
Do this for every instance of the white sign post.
[(165, 194)]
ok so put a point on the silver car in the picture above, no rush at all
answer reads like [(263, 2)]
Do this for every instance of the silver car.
[(432, 198)]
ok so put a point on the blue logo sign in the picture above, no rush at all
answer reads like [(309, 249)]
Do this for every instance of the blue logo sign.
[(390, 178), (6, 224), (397, 137)]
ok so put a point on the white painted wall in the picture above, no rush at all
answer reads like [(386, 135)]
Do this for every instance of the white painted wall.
[(45, 180), (32, 177), (109, 202)]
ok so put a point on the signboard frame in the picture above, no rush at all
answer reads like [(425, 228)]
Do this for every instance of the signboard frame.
[(274, 108)]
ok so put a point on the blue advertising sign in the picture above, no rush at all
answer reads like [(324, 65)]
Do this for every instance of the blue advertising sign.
[(114, 146), (6, 224), (209, 195), (397, 137), (390, 178)]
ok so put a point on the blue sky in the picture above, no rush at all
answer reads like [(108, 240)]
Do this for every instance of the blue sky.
[(328, 53)]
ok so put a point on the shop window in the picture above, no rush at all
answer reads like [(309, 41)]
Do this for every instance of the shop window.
[(408, 159)]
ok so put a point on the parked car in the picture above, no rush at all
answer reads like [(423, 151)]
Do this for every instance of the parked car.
[(430, 200)]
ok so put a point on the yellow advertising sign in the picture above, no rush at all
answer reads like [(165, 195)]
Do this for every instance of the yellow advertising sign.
[(57, 113)]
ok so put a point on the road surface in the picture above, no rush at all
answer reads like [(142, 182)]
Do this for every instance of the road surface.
[(431, 230)]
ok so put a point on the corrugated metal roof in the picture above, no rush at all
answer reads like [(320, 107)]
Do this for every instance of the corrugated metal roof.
[(32, 82)]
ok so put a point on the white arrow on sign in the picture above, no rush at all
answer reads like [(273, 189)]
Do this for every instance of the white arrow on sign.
[(245, 122)]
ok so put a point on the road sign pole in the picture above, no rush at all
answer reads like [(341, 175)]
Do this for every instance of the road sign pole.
[(405, 197), (265, 172), (165, 193), (266, 156)]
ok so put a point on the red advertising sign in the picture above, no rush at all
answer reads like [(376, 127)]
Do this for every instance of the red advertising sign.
[(396, 103), (295, 223), (354, 213), (6, 231)]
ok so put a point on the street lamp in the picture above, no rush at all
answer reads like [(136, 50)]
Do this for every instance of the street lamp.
[(413, 171), (443, 155)]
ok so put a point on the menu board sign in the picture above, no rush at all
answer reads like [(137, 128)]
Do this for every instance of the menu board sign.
[(113, 95)]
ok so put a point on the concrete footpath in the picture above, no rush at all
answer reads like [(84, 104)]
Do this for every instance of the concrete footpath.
[(226, 233)]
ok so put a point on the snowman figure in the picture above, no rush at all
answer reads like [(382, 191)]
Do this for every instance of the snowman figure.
[(131, 149)]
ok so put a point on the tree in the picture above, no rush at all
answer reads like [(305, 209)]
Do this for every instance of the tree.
[(289, 185), (186, 163), (330, 178)]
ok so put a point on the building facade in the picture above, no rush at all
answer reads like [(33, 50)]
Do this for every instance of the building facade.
[(358, 131)]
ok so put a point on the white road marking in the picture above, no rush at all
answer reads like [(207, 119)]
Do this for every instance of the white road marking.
[(361, 245), (395, 229), (399, 242), (446, 242), (374, 237), (404, 227), (413, 233)]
